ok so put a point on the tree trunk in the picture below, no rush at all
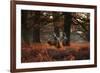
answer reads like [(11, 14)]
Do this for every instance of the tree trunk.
[(36, 29), (67, 26)]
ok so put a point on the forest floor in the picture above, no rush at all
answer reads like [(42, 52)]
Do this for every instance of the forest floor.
[(43, 52)]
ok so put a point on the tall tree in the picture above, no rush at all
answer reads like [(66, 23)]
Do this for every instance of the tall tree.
[(67, 25), (36, 26)]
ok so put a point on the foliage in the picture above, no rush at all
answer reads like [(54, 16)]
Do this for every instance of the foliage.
[(82, 23)]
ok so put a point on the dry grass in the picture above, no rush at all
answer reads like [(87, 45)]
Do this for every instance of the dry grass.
[(44, 52)]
